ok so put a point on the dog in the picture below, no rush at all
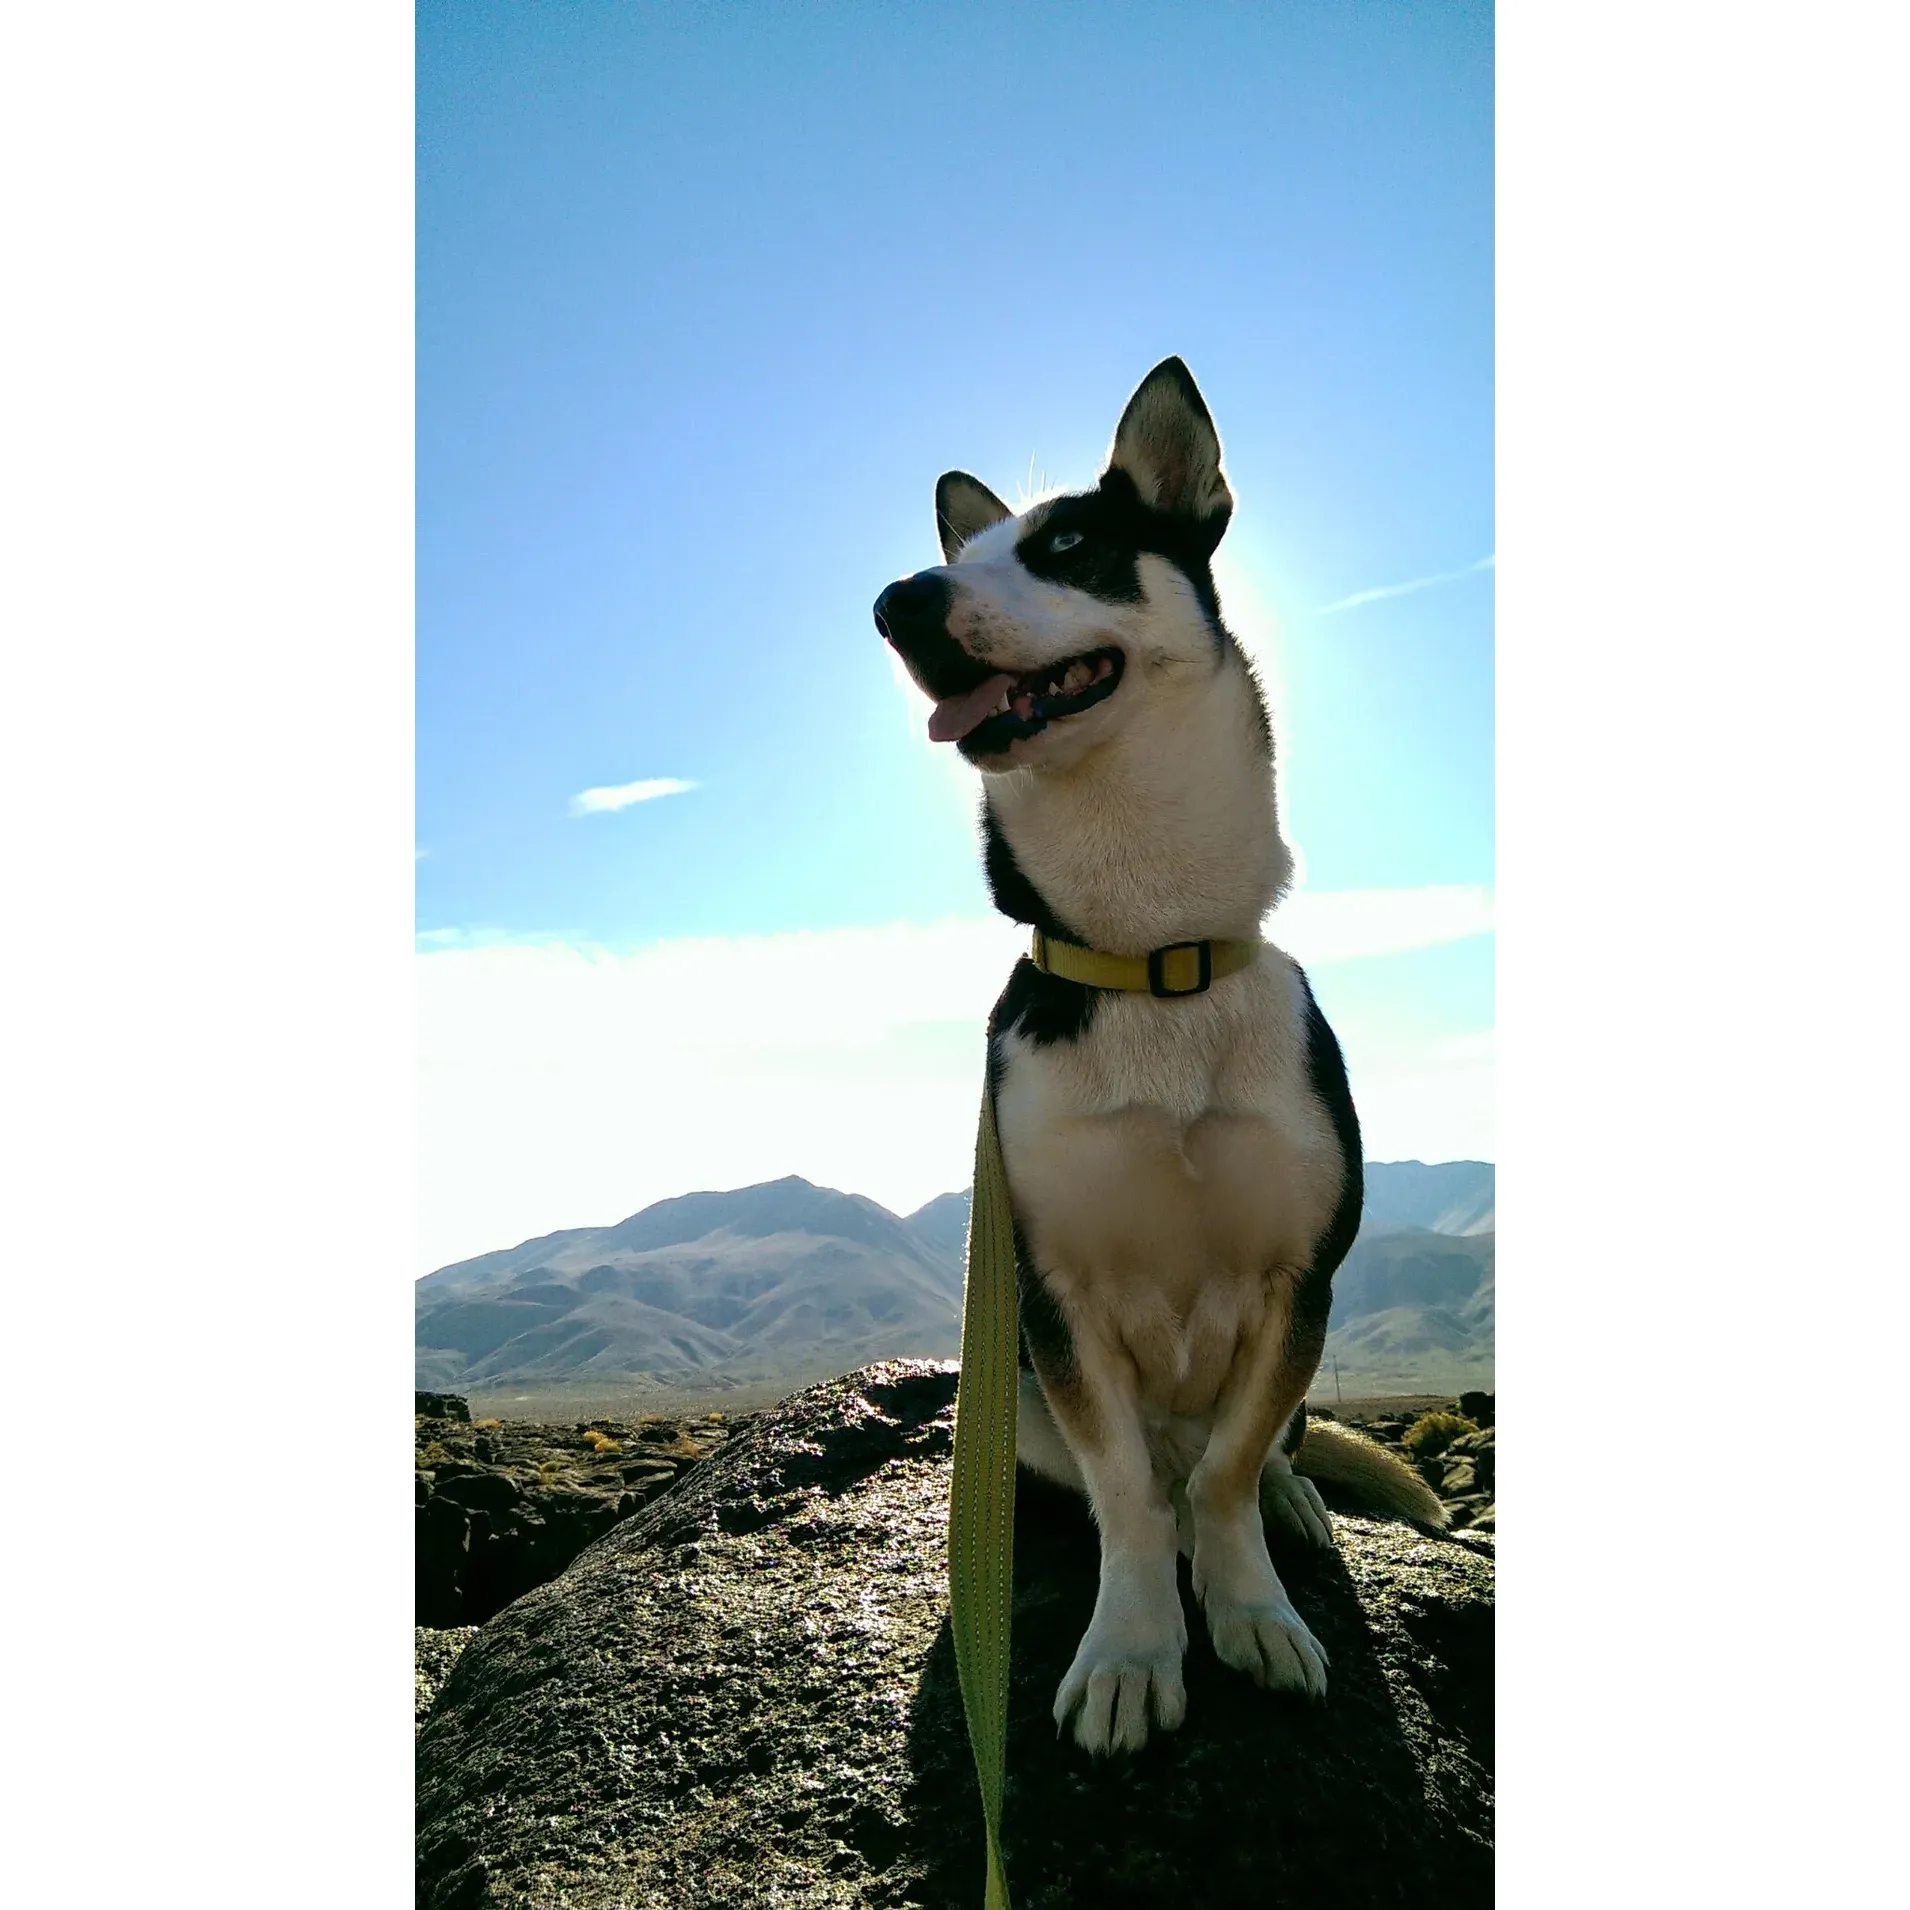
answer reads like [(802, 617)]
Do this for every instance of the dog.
[(1183, 1159)]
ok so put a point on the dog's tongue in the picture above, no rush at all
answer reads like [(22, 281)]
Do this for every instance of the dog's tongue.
[(954, 716)]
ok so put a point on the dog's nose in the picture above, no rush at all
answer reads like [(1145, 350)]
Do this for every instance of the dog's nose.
[(913, 611)]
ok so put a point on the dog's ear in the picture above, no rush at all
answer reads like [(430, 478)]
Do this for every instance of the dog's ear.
[(964, 506), (1168, 448)]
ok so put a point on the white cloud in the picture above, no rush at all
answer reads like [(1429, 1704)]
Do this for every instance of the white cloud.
[(1429, 1102), (1406, 589), (567, 1085), (596, 802), (1339, 925)]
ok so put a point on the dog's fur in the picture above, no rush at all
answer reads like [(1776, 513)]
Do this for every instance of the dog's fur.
[(1185, 1174)]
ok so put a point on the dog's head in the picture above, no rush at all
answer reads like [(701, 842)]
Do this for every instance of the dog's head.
[(1043, 635)]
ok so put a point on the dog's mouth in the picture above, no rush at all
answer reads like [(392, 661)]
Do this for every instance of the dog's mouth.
[(1005, 709)]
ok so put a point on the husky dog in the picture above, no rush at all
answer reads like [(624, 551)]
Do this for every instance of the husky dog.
[(1183, 1164)]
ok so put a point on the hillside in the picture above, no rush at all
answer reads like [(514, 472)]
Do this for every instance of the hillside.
[(774, 1285), (1445, 1197), (750, 1283)]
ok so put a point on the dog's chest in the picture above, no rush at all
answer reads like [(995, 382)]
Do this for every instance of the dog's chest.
[(1170, 1169)]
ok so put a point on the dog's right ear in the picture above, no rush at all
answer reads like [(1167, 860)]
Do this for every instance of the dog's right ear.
[(964, 506)]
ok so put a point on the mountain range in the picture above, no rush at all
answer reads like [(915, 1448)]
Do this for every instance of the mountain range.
[(786, 1282)]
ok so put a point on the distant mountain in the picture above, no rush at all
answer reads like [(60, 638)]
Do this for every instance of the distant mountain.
[(781, 1275), (1448, 1197), (787, 1279), (1412, 1313), (944, 1224)]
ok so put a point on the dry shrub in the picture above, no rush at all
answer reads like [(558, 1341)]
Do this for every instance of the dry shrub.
[(1431, 1433)]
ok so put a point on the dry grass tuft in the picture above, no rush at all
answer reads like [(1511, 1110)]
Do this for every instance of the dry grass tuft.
[(1431, 1433)]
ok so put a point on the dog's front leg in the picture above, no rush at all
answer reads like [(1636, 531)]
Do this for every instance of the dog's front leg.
[(1249, 1616), (1129, 1661)]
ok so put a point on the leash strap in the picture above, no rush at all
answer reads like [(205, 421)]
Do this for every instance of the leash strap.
[(981, 1511), (1181, 968)]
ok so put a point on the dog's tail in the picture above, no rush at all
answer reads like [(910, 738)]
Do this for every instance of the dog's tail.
[(1366, 1472)]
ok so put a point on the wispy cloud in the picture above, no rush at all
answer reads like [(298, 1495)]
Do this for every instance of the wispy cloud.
[(1406, 589), (1343, 925), (597, 802), (566, 1084)]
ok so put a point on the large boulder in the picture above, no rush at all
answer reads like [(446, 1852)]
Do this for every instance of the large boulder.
[(745, 1695)]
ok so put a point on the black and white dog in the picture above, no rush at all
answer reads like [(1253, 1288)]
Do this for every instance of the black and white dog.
[(1184, 1171)]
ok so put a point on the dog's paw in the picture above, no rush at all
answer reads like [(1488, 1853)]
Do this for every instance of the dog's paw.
[(1270, 1643), (1249, 1616), (1292, 1506), (1112, 1697), (1127, 1669)]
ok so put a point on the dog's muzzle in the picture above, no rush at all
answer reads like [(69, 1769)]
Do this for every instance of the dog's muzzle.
[(912, 615)]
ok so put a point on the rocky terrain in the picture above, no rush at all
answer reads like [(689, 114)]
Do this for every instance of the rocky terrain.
[(503, 1506), (743, 1692), (1451, 1444)]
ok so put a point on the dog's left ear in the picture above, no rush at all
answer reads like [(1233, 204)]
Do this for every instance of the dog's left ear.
[(1167, 446)]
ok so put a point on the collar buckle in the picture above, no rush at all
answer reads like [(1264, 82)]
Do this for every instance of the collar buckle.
[(1171, 987)]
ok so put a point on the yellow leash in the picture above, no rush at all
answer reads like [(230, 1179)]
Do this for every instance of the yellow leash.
[(981, 1506), (981, 1509)]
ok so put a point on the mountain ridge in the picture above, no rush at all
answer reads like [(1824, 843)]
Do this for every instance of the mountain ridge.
[(785, 1277)]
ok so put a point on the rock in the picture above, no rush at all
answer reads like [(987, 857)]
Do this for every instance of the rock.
[(480, 1491), (1459, 1479), (1484, 1470), (443, 1539), (745, 1695), (535, 1496), (433, 1655), (646, 1469), (1476, 1407), (444, 1406)]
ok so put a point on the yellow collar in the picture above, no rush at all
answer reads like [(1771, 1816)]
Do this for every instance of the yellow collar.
[(1181, 968)]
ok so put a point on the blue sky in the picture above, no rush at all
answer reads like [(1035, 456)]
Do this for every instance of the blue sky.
[(707, 298)]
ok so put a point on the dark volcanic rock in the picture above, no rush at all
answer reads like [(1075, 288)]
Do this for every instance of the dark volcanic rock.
[(504, 1507), (433, 1655), (443, 1406), (745, 1695)]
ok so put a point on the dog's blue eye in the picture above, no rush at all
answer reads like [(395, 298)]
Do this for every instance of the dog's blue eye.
[(1065, 540)]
